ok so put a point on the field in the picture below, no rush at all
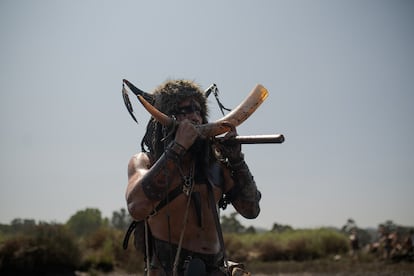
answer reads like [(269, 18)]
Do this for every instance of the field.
[(27, 248), (315, 268), (330, 267)]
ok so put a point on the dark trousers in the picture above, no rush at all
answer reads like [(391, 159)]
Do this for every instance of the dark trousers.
[(190, 263)]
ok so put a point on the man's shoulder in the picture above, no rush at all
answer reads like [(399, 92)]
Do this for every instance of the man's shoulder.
[(140, 158), (141, 154)]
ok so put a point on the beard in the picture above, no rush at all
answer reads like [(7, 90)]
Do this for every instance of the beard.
[(200, 152), (199, 148)]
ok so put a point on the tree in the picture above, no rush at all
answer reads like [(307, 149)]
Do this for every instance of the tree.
[(85, 222), (250, 230), (231, 224), (279, 228), (22, 225), (120, 220)]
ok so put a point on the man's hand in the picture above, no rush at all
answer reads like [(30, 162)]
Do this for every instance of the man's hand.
[(186, 133), (229, 147)]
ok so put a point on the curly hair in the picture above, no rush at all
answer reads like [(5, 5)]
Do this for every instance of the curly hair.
[(167, 98)]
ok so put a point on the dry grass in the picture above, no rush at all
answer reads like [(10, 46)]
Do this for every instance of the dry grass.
[(313, 268), (330, 267)]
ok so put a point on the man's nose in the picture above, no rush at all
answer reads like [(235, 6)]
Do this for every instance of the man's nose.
[(194, 117)]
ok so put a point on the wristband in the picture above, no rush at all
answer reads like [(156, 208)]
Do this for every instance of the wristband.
[(177, 149), (237, 164)]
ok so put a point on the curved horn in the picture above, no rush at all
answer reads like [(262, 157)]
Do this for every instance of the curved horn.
[(243, 111), (158, 115), (238, 115)]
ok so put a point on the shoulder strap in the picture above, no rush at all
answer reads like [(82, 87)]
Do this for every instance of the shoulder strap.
[(128, 233), (217, 221), (170, 197)]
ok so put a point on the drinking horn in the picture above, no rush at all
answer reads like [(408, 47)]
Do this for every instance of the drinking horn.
[(237, 116)]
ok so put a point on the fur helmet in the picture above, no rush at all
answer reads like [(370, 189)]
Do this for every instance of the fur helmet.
[(166, 98), (172, 92)]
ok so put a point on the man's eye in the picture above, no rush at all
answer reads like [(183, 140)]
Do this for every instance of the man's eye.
[(188, 110), (184, 110)]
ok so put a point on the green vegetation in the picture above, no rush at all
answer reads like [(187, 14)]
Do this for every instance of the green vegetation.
[(89, 243), (291, 245), (46, 248)]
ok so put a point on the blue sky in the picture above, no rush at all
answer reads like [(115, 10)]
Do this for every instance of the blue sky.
[(340, 76)]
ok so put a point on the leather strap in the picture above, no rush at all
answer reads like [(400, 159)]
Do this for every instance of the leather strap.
[(171, 196), (217, 222)]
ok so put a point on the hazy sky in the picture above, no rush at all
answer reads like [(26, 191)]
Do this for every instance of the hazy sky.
[(340, 76)]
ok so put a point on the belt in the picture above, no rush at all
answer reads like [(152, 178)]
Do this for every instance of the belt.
[(164, 255)]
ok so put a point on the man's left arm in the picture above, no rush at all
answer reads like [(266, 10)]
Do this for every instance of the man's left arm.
[(244, 194)]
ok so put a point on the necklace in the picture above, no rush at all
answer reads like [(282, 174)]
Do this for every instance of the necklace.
[(187, 190), (188, 180)]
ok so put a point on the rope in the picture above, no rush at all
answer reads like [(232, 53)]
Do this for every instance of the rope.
[(147, 245), (185, 220)]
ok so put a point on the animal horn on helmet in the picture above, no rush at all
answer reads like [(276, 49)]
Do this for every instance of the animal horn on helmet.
[(137, 92), (147, 96), (237, 116)]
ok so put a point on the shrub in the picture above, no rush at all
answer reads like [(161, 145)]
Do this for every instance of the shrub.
[(130, 259), (50, 248), (268, 252), (233, 246), (298, 245), (301, 249), (103, 251)]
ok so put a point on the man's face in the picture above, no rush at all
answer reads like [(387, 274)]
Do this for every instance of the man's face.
[(189, 109)]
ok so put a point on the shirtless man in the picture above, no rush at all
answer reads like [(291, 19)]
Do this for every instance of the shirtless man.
[(186, 174)]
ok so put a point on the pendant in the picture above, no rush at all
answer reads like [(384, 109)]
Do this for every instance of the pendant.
[(187, 181)]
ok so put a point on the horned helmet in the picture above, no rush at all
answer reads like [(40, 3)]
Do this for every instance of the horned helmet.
[(171, 93), (166, 98)]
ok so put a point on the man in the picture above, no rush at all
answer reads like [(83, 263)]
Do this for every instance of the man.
[(178, 179)]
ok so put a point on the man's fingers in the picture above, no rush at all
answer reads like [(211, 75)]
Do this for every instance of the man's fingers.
[(232, 133)]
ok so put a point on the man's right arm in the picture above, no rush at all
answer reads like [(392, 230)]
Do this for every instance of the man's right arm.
[(149, 184), (139, 206)]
